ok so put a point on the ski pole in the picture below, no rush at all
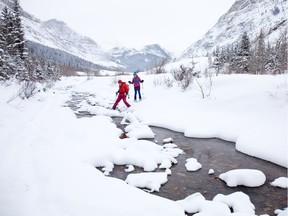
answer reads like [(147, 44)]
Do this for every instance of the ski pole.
[(142, 89)]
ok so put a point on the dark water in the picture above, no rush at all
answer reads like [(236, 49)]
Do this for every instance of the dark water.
[(220, 156), (215, 154)]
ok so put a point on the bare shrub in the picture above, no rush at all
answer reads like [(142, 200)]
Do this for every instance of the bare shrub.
[(204, 86), (185, 76), (163, 81), (159, 67), (27, 90)]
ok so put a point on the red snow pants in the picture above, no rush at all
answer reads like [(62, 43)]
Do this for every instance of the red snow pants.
[(119, 98)]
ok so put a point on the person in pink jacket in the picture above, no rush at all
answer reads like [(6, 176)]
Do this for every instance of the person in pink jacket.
[(136, 82)]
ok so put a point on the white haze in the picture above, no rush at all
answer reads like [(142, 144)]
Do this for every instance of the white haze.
[(174, 25)]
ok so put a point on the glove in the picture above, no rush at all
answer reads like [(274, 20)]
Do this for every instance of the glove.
[(142, 81), (130, 82), (117, 92)]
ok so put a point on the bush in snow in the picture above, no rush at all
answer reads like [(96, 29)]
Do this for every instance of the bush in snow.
[(185, 75)]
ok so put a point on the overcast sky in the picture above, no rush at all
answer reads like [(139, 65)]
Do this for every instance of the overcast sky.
[(173, 24)]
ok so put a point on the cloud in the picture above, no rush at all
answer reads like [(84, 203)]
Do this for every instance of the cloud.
[(175, 25)]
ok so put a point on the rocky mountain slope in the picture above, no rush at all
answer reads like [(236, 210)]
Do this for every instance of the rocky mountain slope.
[(57, 35), (56, 38), (244, 15)]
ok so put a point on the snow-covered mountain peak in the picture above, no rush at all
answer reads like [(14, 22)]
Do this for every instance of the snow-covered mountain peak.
[(249, 16), (54, 23), (156, 49), (58, 35), (61, 28), (142, 59)]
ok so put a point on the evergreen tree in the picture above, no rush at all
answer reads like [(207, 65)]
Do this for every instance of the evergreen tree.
[(227, 52), (14, 60), (243, 55), (7, 66), (270, 59), (2, 38), (7, 28), (281, 53), (18, 43), (258, 60), (4, 75), (233, 59), (217, 62), (17, 32)]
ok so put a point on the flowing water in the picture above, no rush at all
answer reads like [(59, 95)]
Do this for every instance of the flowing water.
[(221, 156), (216, 154)]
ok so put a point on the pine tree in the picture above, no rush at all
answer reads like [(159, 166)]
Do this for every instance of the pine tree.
[(233, 58), (14, 59), (258, 60), (227, 53), (7, 65), (217, 62), (281, 52), (270, 59), (6, 29), (2, 72), (2, 38), (243, 55), (18, 33)]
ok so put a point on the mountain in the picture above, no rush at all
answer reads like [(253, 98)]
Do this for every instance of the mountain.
[(55, 41), (57, 35), (244, 16), (139, 60)]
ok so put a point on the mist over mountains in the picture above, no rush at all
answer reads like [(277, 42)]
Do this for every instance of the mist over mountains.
[(140, 60), (55, 41)]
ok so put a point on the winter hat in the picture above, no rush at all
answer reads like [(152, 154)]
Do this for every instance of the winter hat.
[(135, 73), (119, 81)]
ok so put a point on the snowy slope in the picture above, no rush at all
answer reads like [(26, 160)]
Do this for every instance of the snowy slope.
[(48, 155), (56, 34), (244, 15)]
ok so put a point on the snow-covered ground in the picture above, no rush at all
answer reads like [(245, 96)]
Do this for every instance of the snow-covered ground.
[(48, 156)]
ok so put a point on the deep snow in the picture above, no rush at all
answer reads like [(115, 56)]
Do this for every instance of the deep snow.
[(48, 156)]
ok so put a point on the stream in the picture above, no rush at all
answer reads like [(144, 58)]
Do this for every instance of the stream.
[(216, 154)]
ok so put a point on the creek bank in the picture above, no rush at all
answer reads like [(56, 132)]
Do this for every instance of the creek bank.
[(221, 156), (216, 154)]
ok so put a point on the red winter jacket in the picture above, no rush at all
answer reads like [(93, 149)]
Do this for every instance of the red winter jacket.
[(123, 89)]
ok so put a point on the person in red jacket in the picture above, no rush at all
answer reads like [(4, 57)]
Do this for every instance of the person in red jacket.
[(122, 93)]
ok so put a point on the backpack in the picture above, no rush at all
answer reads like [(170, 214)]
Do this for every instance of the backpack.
[(126, 87)]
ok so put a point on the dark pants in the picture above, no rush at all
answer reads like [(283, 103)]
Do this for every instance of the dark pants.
[(119, 98), (137, 90)]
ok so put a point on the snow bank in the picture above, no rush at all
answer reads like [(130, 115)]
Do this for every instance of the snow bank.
[(250, 110), (245, 177), (48, 159)]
